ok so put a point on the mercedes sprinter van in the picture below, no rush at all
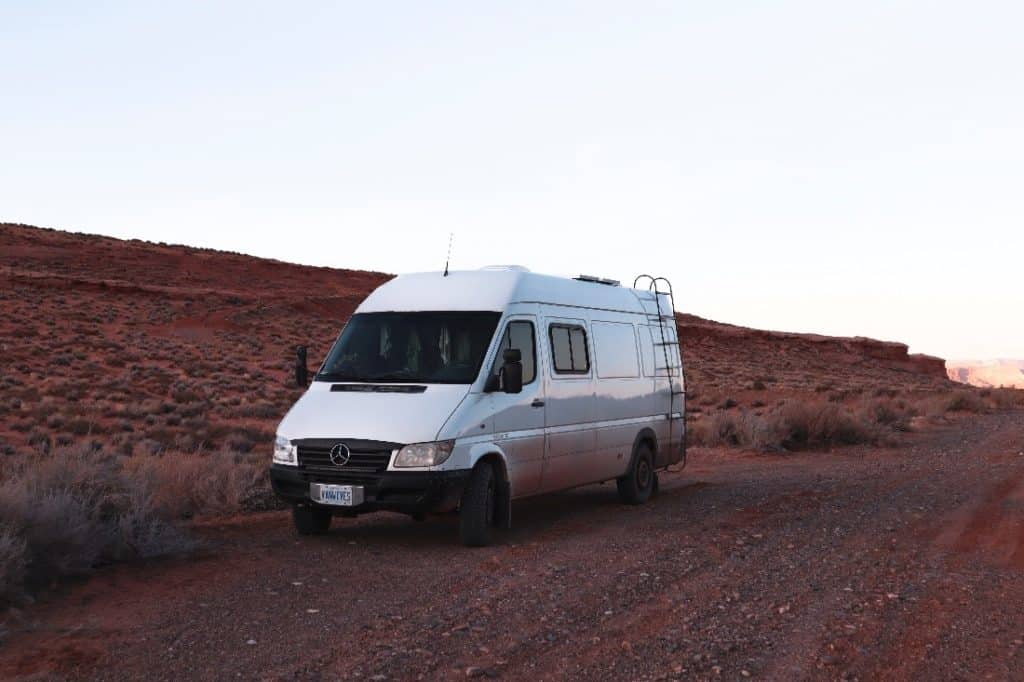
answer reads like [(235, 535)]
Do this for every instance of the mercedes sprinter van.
[(465, 391)]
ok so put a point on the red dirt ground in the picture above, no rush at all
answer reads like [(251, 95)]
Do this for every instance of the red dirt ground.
[(901, 564)]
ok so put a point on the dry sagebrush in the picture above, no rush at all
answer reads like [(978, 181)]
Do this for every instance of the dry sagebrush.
[(64, 513), (823, 424)]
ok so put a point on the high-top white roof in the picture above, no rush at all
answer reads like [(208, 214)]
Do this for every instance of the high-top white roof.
[(496, 288)]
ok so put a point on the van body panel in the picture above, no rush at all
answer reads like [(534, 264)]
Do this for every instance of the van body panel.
[(397, 417), (520, 418), (570, 409)]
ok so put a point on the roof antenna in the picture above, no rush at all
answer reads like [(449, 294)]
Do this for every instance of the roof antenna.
[(446, 260)]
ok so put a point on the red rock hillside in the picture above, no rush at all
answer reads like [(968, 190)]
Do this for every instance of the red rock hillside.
[(146, 347)]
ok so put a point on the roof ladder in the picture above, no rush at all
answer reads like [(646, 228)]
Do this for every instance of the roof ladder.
[(662, 319)]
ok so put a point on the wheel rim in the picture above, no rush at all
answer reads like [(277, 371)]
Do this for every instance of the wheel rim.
[(643, 473)]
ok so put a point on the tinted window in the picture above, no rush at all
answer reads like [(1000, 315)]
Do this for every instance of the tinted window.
[(569, 349), (519, 334), (421, 347), (615, 350)]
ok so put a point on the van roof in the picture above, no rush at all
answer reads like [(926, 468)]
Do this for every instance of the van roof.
[(497, 288)]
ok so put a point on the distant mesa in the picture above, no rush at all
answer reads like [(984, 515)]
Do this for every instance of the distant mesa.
[(987, 373)]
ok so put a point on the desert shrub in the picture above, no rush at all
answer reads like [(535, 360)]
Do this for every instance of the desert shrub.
[(184, 394), (185, 485), (790, 426), (721, 429), (726, 429), (69, 512), (63, 514), (1007, 398), (40, 440), (895, 414), (80, 427), (192, 410), (261, 410), (239, 442), (965, 401), (150, 446), (800, 425)]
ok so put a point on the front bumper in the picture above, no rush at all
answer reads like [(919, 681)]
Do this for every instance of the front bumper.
[(409, 492)]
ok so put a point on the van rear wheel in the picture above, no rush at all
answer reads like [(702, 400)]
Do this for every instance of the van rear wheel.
[(311, 521), (637, 486), (477, 510)]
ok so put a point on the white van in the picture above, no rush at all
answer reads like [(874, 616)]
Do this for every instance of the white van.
[(466, 390)]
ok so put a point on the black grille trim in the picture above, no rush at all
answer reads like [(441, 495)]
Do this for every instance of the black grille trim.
[(368, 460)]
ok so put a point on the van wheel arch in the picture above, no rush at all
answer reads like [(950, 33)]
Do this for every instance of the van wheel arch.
[(647, 437), (503, 501)]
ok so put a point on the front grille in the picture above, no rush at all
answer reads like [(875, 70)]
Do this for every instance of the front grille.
[(368, 461)]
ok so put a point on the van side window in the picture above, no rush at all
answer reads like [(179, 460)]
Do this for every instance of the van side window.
[(615, 348), (569, 349), (519, 334)]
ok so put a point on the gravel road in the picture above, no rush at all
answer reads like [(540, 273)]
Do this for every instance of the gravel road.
[(902, 563)]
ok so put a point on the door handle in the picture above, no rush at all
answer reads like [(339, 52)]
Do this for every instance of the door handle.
[(537, 402)]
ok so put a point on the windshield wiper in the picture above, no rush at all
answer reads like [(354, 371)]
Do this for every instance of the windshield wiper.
[(335, 376), (390, 376), (383, 376)]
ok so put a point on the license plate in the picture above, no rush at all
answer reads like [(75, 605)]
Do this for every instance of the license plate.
[(337, 495)]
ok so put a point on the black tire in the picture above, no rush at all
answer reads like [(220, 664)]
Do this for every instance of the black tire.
[(311, 520), (637, 486), (477, 510)]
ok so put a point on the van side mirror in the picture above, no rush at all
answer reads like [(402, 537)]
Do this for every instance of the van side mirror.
[(301, 373), (512, 370)]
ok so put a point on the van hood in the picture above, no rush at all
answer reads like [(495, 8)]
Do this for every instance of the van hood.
[(370, 415)]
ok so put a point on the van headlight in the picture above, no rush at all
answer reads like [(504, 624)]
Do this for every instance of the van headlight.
[(424, 454), (284, 451)]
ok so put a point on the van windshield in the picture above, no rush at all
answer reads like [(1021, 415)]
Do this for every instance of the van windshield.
[(421, 347)]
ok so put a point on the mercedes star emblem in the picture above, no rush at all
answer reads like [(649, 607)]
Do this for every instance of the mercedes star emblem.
[(340, 455)]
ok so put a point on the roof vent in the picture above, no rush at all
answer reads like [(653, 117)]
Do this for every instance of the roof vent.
[(599, 280), (506, 268)]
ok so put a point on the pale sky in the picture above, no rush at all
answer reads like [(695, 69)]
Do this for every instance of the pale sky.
[(843, 168)]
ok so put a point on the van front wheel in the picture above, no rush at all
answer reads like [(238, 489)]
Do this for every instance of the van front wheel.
[(310, 520), (476, 512), (637, 486)]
